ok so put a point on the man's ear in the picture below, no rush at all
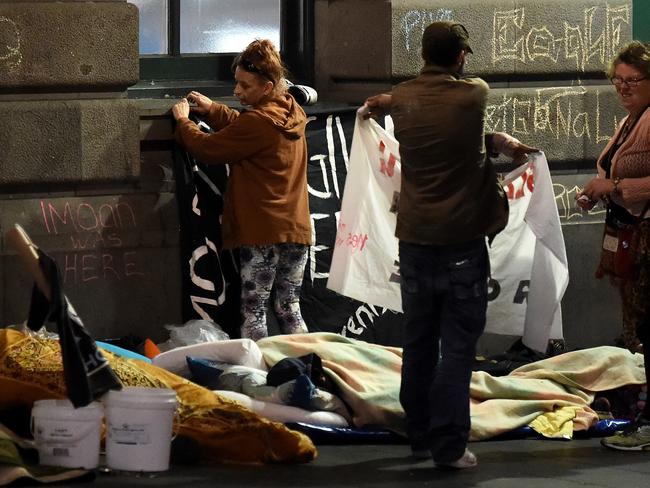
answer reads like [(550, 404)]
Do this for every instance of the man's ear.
[(461, 58)]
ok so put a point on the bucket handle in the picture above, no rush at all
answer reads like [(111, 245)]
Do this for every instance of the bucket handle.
[(176, 423)]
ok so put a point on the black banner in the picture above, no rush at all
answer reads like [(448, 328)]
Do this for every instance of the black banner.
[(206, 272)]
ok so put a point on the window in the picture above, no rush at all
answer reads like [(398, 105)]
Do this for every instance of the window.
[(227, 26), (198, 39), (153, 26)]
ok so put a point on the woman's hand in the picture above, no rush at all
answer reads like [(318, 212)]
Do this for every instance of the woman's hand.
[(596, 189), (181, 109), (202, 102)]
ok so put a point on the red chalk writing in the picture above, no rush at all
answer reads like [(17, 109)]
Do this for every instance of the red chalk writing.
[(97, 233), (84, 217), (102, 265)]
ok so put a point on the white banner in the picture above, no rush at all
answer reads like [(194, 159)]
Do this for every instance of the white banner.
[(528, 258)]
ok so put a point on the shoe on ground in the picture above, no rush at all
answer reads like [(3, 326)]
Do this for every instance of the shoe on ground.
[(635, 437), (467, 460)]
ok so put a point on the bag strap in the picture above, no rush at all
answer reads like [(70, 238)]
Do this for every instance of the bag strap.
[(618, 143)]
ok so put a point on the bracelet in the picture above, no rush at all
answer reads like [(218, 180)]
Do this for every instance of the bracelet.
[(615, 190)]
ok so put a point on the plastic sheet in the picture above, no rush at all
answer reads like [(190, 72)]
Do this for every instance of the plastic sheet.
[(342, 435)]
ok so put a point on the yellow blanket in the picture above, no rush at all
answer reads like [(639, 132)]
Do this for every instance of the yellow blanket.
[(31, 369)]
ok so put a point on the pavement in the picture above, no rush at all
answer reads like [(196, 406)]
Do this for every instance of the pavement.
[(529, 463)]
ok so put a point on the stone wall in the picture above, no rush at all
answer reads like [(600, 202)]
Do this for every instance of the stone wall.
[(88, 171), (72, 173)]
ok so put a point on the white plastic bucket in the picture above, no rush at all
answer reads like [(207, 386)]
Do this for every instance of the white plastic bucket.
[(67, 436), (139, 428)]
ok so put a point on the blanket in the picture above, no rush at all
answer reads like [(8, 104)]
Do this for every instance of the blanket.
[(31, 369), (366, 375), (557, 385), (552, 395)]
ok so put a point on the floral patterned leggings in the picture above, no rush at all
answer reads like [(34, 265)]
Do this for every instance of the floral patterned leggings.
[(278, 267)]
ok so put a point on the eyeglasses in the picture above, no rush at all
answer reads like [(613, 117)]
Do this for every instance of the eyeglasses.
[(251, 68), (617, 81)]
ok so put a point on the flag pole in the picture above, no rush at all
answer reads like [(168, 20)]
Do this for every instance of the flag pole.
[(18, 239)]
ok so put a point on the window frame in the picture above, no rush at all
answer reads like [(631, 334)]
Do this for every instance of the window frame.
[(296, 41)]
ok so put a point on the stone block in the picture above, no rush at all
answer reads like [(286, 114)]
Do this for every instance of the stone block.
[(68, 46), (69, 141)]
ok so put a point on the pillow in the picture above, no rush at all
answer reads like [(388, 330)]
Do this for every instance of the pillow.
[(205, 372), (285, 413), (244, 352)]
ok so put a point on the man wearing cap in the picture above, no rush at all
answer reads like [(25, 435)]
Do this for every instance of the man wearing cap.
[(450, 205)]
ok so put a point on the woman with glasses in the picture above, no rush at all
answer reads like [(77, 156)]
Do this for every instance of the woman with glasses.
[(623, 183), (266, 208)]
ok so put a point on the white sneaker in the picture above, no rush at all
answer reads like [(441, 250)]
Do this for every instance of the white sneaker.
[(304, 95), (467, 460)]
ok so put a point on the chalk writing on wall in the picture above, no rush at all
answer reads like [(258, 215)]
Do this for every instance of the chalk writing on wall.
[(596, 40), (565, 198), (97, 232), (555, 112), (415, 21), (10, 50)]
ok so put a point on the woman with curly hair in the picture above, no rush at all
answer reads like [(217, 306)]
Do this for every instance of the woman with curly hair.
[(623, 183), (266, 207)]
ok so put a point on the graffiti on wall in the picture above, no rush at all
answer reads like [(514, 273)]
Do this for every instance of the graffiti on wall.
[(596, 40), (555, 113), (10, 49), (97, 232), (519, 35)]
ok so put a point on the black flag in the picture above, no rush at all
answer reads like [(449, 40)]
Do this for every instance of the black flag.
[(210, 275), (87, 372)]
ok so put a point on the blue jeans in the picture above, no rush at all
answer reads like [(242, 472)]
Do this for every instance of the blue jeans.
[(444, 298)]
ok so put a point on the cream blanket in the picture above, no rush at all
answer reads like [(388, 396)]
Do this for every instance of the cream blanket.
[(552, 395)]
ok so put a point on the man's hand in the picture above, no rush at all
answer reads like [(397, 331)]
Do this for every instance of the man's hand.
[(378, 105), (513, 148), (521, 152)]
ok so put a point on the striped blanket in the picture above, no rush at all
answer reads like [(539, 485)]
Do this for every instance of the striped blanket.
[(552, 395)]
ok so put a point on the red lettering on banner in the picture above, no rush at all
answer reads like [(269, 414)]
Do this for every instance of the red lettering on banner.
[(386, 167), (519, 191), (354, 240)]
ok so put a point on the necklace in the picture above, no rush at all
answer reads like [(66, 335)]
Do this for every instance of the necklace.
[(627, 127)]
